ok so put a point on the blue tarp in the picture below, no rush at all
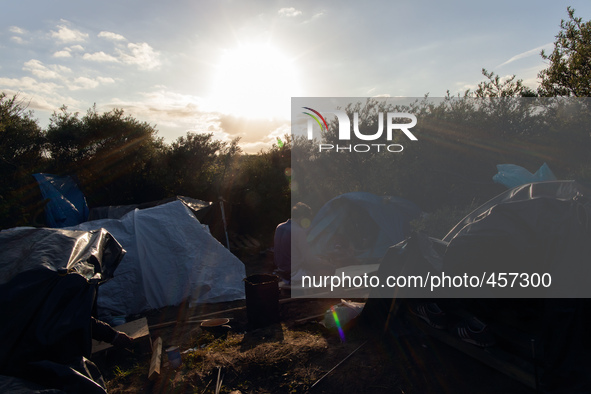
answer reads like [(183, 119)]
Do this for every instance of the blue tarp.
[(512, 175), (67, 204)]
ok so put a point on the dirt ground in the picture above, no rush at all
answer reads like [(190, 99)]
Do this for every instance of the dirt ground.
[(297, 356)]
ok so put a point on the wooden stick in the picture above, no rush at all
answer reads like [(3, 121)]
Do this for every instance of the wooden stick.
[(307, 319), (336, 366)]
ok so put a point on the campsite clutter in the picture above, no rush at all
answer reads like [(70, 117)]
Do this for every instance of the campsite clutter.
[(193, 308)]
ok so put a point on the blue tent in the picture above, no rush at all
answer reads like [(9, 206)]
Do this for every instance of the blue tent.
[(67, 204), (364, 223)]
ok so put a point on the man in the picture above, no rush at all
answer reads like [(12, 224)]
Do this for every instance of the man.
[(293, 257)]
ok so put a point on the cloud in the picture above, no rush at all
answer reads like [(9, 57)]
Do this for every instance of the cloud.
[(105, 80), (65, 34), (18, 40), (101, 57), (64, 53), (462, 87), (530, 76), (58, 73), (163, 106), (531, 52), (289, 12), (81, 83), (253, 131), (67, 52), (38, 69), (265, 142), (84, 83), (28, 84), (40, 97), (255, 134), (314, 17), (173, 114), (111, 36), (142, 55), (16, 30)]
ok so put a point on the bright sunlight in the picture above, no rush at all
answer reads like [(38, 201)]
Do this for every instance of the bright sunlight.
[(255, 81)]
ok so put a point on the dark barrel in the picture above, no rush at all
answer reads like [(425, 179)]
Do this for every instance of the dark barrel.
[(262, 300)]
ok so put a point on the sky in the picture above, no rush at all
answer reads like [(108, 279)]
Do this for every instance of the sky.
[(231, 67)]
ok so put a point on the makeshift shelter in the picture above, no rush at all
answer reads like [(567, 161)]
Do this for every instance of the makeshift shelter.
[(170, 258), (48, 285), (216, 215), (535, 228), (364, 223)]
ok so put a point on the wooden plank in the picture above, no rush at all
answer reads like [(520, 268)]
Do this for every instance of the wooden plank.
[(156, 359), (137, 329)]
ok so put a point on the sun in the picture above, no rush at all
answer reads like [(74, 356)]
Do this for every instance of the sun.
[(255, 81)]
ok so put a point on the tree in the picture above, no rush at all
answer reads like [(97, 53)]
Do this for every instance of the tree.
[(110, 153), (569, 70), (21, 139), (496, 86), (261, 185), (21, 154), (191, 162)]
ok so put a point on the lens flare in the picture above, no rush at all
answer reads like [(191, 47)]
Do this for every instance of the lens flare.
[(337, 323)]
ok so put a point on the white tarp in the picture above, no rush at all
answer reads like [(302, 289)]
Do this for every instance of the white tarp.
[(170, 258)]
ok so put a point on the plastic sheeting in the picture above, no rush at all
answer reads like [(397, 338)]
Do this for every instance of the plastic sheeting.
[(67, 204), (61, 251), (48, 285), (170, 258), (556, 190), (512, 175)]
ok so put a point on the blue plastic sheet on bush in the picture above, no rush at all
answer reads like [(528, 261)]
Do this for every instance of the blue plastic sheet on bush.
[(512, 175), (67, 204)]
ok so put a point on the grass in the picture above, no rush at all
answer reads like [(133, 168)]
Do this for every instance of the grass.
[(274, 359)]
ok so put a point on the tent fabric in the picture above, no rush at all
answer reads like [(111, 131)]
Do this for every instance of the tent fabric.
[(170, 258), (209, 213), (48, 286), (367, 222), (67, 204), (118, 211)]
